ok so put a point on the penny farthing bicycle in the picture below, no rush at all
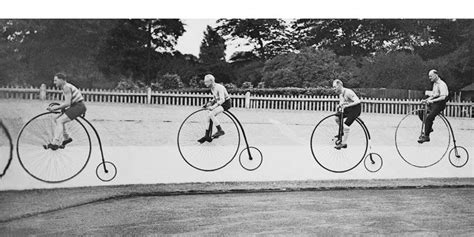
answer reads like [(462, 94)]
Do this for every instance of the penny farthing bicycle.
[(328, 133), (216, 153), (427, 154), (65, 163), (6, 148)]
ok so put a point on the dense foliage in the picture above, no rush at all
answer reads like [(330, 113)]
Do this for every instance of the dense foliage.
[(302, 53)]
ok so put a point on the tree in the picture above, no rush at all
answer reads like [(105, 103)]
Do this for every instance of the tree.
[(134, 45), (212, 48), (363, 37), (268, 37), (39, 48), (309, 68), (399, 70)]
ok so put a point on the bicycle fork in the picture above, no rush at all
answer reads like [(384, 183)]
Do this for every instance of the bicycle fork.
[(209, 129), (425, 111), (340, 132)]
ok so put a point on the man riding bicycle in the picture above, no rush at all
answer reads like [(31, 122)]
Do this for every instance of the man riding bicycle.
[(73, 107), (349, 102), (436, 103), (219, 104)]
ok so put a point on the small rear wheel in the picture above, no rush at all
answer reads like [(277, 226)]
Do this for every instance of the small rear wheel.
[(250, 158), (373, 162), (106, 171), (458, 156)]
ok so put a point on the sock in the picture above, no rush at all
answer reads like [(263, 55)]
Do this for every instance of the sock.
[(55, 142), (346, 135)]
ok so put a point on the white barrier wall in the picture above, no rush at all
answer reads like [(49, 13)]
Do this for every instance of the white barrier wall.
[(141, 141)]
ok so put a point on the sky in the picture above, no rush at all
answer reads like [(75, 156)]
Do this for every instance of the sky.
[(190, 41), (198, 14)]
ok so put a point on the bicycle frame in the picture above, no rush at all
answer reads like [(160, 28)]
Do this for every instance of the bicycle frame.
[(445, 120), (451, 132), (243, 132), (234, 118), (341, 124), (96, 134), (364, 127), (98, 139), (366, 130)]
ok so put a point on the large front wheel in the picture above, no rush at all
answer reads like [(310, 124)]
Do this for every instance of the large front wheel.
[(212, 154), (421, 155), (47, 165), (6, 149), (324, 139)]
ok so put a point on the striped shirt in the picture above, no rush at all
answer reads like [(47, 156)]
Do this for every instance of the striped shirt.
[(76, 95)]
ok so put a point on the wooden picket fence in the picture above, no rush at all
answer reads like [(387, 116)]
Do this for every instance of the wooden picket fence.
[(310, 103)]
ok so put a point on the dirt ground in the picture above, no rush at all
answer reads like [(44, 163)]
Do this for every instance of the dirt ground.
[(413, 211)]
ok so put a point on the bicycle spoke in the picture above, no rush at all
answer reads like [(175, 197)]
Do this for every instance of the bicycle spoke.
[(425, 154), (208, 156), (323, 146), (48, 165)]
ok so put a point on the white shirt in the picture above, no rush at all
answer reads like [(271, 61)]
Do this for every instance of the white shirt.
[(220, 93), (348, 96), (439, 89)]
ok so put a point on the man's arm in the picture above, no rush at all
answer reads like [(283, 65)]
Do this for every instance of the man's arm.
[(439, 98), (67, 100)]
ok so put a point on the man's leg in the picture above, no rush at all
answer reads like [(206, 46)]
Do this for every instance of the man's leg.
[(351, 113), (58, 131), (212, 115), (66, 138), (346, 130), (207, 134), (435, 110)]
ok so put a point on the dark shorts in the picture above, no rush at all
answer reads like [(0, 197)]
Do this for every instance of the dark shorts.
[(226, 105), (434, 109), (351, 113), (75, 110)]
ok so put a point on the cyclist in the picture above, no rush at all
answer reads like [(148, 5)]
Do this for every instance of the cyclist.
[(73, 107), (349, 103), (220, 103), (436, 103)]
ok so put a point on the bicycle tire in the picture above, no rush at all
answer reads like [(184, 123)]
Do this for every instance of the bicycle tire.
[(426, 154), (47, 165), (208, 156), (322, 145), (6, 147)]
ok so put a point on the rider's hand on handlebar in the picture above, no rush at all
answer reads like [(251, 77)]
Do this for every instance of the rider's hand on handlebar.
[(341, 106), (206, 105), (426, 101), (50, 108)]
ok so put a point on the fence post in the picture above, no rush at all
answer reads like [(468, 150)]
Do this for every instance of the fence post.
[(148, 95), (42, 92), (247, 100)]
